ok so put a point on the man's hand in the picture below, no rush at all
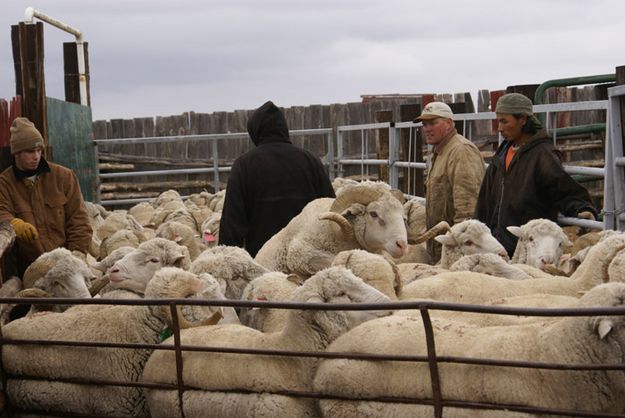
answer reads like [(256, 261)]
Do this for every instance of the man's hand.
[(24, 230), (586, 214)]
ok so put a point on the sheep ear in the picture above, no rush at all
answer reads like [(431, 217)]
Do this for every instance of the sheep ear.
[(515, 230), (354, 210), (446, 240), (294, 278), (604, 328)]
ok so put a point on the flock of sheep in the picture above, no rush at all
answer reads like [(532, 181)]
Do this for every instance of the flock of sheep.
[(365, 246)]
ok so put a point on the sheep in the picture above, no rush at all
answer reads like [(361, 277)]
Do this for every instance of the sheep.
[(274, 286), (211, 375), (57, 274), (217, 202), (339, 182), (166, 197), (201, 199), (133, 271), (415, 215), (210, 229), (568, 340), (491, 264), (142, 212), (363, 216), (376, 270), (465, 238), (9, 289), (117, 221), (231, 264), (90, 323), (469, 287), (121, 238), (181, 234), (540, 242), (579, 250)]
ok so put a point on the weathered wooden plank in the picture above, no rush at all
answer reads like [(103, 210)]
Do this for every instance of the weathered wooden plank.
[(72, 74)]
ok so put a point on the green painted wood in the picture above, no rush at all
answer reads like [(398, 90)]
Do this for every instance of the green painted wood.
[(70, 134)]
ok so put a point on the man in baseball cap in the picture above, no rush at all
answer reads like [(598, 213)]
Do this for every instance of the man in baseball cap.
[(41, 200), (455, 169)]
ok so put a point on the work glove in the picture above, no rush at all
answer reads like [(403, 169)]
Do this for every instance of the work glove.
[(24, 230), (586, 214)]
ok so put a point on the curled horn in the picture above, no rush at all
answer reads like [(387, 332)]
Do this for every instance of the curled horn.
[(356, 194), (98, 285), (343, 223), (184, 323), (36, 270), (32, 292), (431, 233)]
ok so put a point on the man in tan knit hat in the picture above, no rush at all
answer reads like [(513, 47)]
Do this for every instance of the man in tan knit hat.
[(41, 200)]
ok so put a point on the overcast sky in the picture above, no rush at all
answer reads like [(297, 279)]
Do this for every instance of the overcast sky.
[(160, 58)]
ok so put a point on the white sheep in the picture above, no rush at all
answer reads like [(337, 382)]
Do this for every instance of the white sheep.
[(465, 238), (540, 242), (57, 274), (142, 212), (273, 286), (366, 216), (166, 197), (491, 264), (181, 234), (569, 340), (231, 264), (121, 238), (415, 226), (134, 270), (210, 229), (210, 375), (469, 287), (89, 323), (374, 269)]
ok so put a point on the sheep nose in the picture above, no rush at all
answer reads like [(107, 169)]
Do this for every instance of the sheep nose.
[(546, 260), (402, 245), (503, 254)]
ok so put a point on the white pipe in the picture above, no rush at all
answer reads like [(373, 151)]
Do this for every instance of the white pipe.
[(30, 13)]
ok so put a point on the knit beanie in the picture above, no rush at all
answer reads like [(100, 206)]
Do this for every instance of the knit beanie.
[(517, 104), (24, 136)]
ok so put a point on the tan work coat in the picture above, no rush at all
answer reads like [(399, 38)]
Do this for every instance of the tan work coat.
[(454, 175), (53, 204)]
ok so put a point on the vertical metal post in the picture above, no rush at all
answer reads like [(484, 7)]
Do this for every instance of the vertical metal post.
[(329, 157), (437, 396), (178, 353), (393, 155), (616, 172), (339, 153), (215, 165)]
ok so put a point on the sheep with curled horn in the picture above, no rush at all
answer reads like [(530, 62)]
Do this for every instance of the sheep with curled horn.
[(56, 274), (59, 369), (365, 216)]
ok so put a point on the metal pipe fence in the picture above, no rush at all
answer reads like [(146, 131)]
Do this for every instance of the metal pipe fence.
[(437, 401), (341, 162)]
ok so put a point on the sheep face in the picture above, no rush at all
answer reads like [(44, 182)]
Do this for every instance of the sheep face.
[(69, 279), (470, 237), (541, 242), (380, 225), (134, 271), (340, 285)]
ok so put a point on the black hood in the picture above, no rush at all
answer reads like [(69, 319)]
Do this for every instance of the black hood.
[(268, 124)]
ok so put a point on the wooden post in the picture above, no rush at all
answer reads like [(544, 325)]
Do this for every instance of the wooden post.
[(30, 83), (72, 77), (412, 147), (382, 142)]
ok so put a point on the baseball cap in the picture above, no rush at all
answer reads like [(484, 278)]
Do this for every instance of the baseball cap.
[(435, 110)]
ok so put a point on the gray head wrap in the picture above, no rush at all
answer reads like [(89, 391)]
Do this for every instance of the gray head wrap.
[(517, 104)]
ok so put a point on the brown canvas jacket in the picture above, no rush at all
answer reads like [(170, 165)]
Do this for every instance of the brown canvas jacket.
[(455, 172), (53, 204)]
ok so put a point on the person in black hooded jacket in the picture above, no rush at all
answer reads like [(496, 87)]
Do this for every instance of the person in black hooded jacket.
[(270, 184), (525, 179)]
